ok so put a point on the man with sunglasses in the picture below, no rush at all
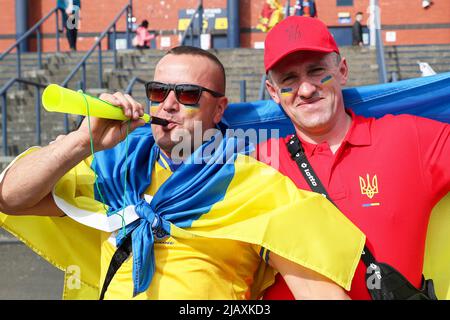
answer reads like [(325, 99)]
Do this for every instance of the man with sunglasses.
[(188, 88), (385, 175)]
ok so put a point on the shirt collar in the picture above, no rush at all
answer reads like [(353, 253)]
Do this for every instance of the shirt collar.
[(357, 135), (167, 163)]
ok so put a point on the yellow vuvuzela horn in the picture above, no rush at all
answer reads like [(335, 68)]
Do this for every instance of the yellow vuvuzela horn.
[(59, 99)]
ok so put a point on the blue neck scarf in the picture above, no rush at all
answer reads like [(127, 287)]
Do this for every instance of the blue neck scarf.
[(190, 192)]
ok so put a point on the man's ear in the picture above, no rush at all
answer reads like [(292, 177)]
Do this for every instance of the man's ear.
[(272, 91), (343, 72), (220, 109)]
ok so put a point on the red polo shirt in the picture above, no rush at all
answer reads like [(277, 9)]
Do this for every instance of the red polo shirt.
[(386, 177)]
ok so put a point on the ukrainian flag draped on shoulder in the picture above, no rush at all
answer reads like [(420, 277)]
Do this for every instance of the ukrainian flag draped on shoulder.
[(247, 201), (217, 192), (66, 244)]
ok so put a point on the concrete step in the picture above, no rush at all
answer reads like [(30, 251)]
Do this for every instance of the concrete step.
[(419, 46), (435, 47), (418, 55), (414, 60), (4, 162), (25, 58), (13, 66), (415, 67)]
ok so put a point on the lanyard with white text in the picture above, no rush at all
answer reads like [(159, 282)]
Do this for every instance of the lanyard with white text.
[(395, 285), (297, 152)]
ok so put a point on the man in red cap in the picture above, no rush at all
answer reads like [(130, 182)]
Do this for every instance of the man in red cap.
[(384, 174)]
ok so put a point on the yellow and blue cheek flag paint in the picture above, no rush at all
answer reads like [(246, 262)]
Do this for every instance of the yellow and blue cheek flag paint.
[(326, 80), (188, 109), (286, 92)]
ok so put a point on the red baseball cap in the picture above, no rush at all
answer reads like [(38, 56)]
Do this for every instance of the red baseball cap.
[(297, 33)]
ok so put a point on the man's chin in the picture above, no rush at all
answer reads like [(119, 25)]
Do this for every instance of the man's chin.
[(165, 143), (313, 122)]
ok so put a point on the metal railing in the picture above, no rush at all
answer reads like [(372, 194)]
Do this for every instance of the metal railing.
[(127, 10), (35, 28), (243, 90), (190, 29), (37, 109), (262, 88), (381, 60), (376, 36), (38, 86), (287, 13), (130, 87)]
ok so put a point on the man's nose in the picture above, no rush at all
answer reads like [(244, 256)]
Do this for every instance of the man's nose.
[(306, 90), (171, 104)]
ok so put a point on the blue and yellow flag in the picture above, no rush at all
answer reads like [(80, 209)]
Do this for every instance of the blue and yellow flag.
[(238, 199), (218, 192)]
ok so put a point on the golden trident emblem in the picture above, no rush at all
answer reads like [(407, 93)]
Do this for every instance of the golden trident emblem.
[(369, 189)]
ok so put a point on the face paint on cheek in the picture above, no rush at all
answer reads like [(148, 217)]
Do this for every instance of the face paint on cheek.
[(191, 110), (327, 80), (286, 92), (153, 110), (187, 109)]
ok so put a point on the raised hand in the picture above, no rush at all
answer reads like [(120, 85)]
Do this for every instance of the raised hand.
[(107, 133)]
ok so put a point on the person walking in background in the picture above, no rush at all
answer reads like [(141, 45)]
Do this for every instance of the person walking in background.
[(306, 8), (70, 10), (357, 39), (143, 37)]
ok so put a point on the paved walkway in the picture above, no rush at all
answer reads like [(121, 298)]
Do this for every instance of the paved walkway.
[(25, 275)]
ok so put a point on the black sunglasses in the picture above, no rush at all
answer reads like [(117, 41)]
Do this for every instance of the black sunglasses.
[(187, 94)]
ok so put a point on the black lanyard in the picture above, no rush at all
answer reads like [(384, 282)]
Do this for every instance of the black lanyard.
[(297, 152), (120, 256)]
